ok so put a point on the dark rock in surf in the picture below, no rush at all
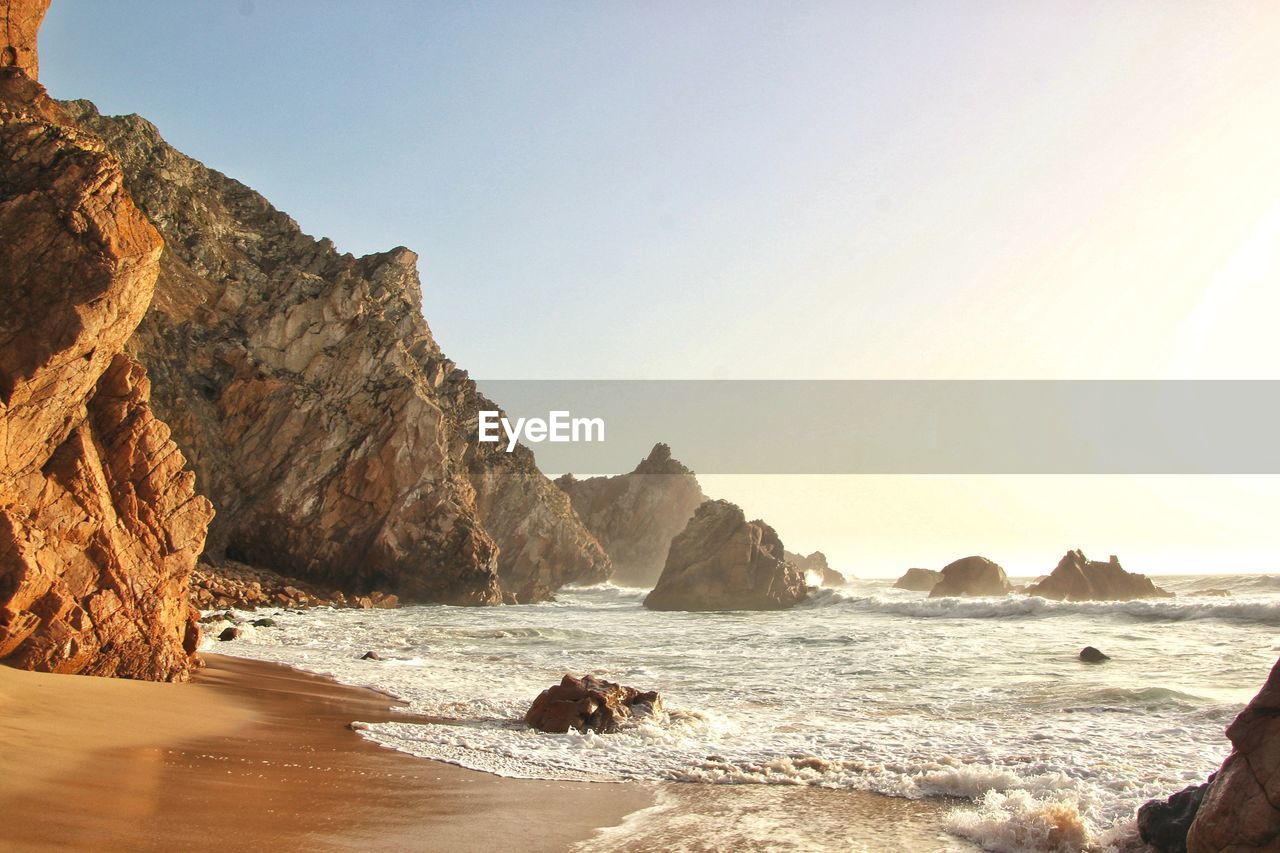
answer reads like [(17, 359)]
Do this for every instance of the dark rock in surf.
[(231, 633), (918, 580), (588, 704), (1091, 655), (971, 576), (1164, 823), (370, 656), (1079, 579), (816, 567)]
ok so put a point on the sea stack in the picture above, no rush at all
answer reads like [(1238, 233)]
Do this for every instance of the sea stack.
[(1079, 579), (635, 516), (971, 576), (100, 523), (721, 561), (918, 580), (816, 567)]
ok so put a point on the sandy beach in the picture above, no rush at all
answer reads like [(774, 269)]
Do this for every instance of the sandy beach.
[(256, 756)]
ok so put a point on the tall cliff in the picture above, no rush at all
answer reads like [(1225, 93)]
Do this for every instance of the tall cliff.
[(335, 439), (635, 516), (100, 525)]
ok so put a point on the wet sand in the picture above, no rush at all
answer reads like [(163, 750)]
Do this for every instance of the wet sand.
[(255, 756)]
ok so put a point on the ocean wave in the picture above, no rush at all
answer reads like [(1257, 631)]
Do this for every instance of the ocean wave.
[(1015, 606), (1016, 821)]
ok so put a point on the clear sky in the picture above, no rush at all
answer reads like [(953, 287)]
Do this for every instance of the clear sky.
[(767, 190)]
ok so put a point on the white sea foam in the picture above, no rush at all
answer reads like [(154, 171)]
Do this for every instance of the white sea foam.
[(872, 690)]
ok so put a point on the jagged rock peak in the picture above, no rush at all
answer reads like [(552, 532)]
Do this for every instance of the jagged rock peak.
[(659, 461), (20, 30)]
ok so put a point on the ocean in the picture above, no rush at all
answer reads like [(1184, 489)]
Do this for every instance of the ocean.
[(975, 712)]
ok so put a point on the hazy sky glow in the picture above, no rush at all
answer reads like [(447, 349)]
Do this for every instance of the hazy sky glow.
[(770, 190)]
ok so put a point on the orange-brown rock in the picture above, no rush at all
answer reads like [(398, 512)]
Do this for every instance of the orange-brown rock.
[(721, 561), (635, 516), (18, 29), (1241, 807), (100, 524), (588, 704)]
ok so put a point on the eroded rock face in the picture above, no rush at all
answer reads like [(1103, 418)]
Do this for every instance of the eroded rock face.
[(18, 30), (100, 524), (588, 704), (721, 561), (815, 567), (635, 516), (971, 576), (1241, 808), (918, 580), (1079, 579), (335, 439)]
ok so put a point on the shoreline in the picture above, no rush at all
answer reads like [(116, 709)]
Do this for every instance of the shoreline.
[(259, 755)]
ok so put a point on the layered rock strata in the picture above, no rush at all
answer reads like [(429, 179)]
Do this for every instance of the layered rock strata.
[(721, 561), (635, 516), (336, 440), (100, 524), (1078, 578)]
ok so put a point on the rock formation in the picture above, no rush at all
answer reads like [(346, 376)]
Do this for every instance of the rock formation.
[(815, 568), (1079, 579), (100, 524), (21, 25), (232, 584), (1164, 823), (336, 441), (971, 576), (635, 516), (588, 703), (1241, 808), (1089, 654), (720, 561), (918, 580)]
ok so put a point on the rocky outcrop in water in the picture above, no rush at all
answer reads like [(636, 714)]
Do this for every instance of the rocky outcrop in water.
[(232, 584), (588, 704), (1079, 579), (635, 516), (971, 576), (721, 561), (336, 441), (918, 580), (1164, 823), (1241, 807), (100, 524), (816, 567)]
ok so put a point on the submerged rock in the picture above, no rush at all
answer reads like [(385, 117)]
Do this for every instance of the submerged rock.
[(721, 561), (370, 656), (635, 516), (588, 704), (1079, 579), (816, 566), (918, 580), (971, 576), (1164, 823), (233, 632), (1241, 807), (1091, 655)]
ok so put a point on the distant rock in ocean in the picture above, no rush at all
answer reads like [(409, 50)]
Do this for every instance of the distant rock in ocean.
[(1079, 579), (816, 566), (1091, 655), (971, 576), (635, 516), (918, 580), (100, 523), (721, 561), (333, 436)]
